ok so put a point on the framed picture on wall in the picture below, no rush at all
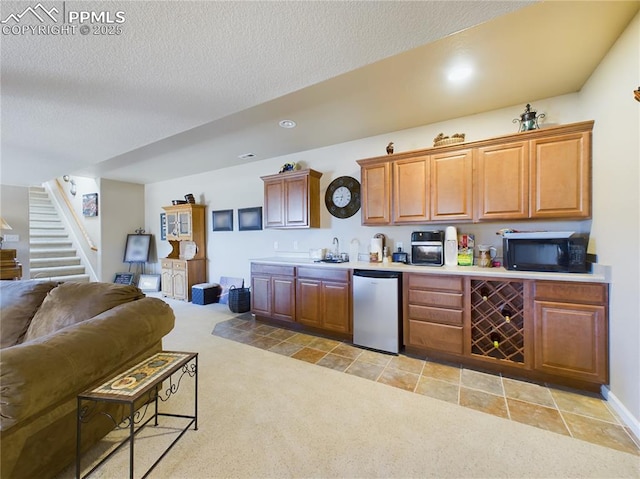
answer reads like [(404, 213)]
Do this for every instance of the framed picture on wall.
[(222, 220), (90, 204), (137, 248), (163, 226), (250, 218)]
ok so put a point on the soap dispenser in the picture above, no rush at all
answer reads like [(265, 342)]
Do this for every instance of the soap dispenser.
[(451, 246)]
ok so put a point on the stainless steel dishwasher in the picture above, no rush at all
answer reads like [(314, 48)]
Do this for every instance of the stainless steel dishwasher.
[(377, 309)]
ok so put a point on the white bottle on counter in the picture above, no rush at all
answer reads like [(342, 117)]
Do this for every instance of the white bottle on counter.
[(451, 246)]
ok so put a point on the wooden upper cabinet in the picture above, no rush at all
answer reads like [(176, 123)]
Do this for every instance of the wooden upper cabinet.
[(411, 190), (561, 176), (502, 181), (451, 185), (376, 194), (292, 199)]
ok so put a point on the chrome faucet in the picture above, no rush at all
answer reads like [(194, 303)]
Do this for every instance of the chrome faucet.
[(336, 248)]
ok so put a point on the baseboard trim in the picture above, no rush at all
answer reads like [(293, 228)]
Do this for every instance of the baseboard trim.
[(623, 412)]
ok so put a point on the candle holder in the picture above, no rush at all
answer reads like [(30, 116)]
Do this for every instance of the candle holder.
[(528, 120)]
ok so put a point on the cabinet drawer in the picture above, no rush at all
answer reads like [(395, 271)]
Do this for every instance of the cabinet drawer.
[(428, 281), (166, 264), (324, 274), (590, 293), (435, 298), (439, 337), (181, 265), (272, 269), (436, 315)]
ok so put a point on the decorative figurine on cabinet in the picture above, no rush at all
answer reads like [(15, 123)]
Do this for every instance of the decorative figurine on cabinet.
[(528, 120), (390, 148)]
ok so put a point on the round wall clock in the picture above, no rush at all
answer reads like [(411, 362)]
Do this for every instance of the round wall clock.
[(343, 197)]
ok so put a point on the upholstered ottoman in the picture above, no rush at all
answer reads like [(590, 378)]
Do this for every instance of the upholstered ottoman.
[(205, 293)]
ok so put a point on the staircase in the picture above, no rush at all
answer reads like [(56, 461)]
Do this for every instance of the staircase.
[(52, 255)]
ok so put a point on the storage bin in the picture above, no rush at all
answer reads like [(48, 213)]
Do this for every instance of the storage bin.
[(205, 293), (239, 299)]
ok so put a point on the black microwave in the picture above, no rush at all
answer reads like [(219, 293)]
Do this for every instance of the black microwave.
[(564, 253)]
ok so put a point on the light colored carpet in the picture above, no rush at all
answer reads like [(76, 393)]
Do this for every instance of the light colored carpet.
[(263, 415)]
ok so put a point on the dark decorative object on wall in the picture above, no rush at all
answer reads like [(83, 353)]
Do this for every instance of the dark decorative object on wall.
[(390, 148), (528, 120), (342, 198), (163, 226), (90, 204), (222, 220), (250, 218), (137, 248)]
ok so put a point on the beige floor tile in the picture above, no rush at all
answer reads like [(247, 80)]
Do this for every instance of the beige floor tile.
[(285, 348), (405, 363), (264, 329), (323, 344), (347, 351), (443, 372), (309, 355), (365, 370), (485, 402), (542, 417), (333, 361), (488, 383), (600, 432), (399, 379), (265, 342), (582, 404), (301, 338), (374, 357), (435, 388), (282, 334), (528, 392)]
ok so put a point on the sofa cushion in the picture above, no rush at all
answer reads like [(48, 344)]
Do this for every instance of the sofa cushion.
[(19, 301), (72, 303)]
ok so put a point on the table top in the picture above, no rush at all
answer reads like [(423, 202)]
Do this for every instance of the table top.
[(139, 379)]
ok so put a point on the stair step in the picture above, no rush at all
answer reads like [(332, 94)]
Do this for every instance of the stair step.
[(54, 234), (56, 271), (42, 210), (62, 243), (72, 278), (44, 220), (52, 252), (51, 226), (54, 262)]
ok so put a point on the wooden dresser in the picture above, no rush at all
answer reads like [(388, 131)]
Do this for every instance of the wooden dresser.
[(9, 266)]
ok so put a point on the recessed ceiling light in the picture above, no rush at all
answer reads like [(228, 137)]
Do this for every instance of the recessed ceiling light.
[(459, 74), (287, 124), (246, 156)]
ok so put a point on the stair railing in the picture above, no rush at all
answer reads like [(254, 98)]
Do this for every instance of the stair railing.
[(75, 217)]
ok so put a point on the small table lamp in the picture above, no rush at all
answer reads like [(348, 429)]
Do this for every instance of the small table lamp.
[(3, 226)]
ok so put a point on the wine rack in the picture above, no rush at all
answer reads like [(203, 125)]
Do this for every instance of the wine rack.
[(497, 320)]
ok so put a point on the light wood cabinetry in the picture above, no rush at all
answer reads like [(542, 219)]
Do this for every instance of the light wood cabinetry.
[(292, 199), (273, 291), (433, 313), (570, 334), (538, 174), (323, 299), (186, 263)]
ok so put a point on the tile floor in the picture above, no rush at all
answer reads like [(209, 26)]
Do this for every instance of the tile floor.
[(578, 415)]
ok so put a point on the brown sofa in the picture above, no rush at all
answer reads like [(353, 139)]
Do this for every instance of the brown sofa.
[(57, 340)]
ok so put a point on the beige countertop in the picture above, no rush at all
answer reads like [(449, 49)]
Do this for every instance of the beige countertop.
[(600, 274)]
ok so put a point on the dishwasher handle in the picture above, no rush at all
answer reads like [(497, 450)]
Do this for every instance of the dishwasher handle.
[(368, 273)]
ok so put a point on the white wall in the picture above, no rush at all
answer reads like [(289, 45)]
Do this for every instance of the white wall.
[(608, 98)]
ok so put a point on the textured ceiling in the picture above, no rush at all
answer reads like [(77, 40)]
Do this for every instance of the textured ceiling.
[(199, 83)]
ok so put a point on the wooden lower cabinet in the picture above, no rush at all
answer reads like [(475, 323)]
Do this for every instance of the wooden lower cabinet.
[(570, 334), (323, 299), (273, 291), (179, 275), (433, 312)]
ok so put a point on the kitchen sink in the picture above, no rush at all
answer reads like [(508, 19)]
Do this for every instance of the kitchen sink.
[(330, 260)]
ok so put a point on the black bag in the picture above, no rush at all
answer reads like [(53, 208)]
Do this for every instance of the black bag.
[(239, 299)]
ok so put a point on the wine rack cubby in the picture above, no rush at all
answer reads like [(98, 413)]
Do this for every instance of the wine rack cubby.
[(497, 320)]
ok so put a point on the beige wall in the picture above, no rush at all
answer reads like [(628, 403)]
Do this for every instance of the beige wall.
[(608, 97)]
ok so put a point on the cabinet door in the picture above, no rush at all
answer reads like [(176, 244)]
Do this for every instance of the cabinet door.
[(283, 298), (172, 226), (411, 190), (274, 203), (571, 340), (309, 302), (261, 295), (502, 179), (336, 311), (295, 201), (451, 186), (184, 225), (376, 194), (561, 176), (180, 284), (167, 281)]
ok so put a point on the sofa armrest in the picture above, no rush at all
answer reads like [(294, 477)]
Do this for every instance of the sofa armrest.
[(39, 374)]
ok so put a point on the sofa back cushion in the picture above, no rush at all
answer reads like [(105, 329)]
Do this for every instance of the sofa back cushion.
[(19, 301), (72, 303)]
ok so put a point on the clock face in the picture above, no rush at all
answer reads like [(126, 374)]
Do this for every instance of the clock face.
[(343, 197)]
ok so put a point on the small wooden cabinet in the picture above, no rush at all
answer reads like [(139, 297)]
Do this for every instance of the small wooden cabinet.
[(10, 268), (273, 291), (433, 313), (323, 299), (186, 263), (292, 199), (570, 333)]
